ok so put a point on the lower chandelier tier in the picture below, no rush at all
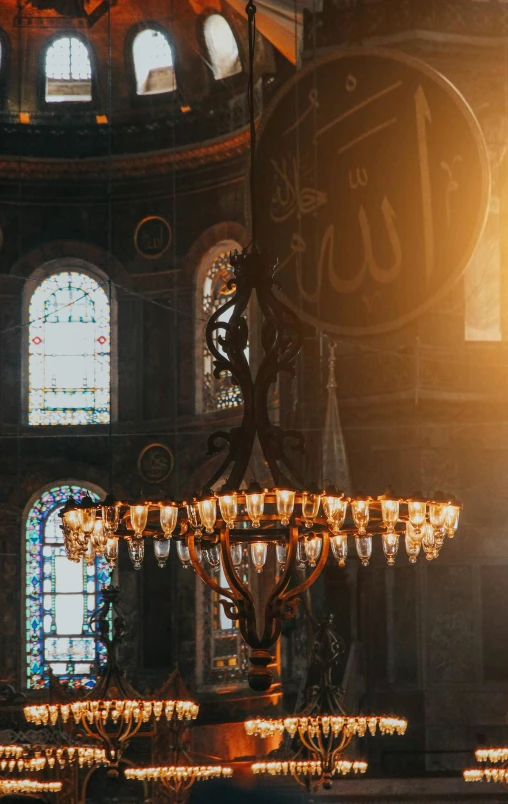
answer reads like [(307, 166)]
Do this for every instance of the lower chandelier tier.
[(36, 758), (307, 768), (12, 786), (178, 779)]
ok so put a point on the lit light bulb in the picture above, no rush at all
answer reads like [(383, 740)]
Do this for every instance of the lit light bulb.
[(212, 555), (73, 518), (281, 554), (99, 537), (333, 505), (339, 548), (90, 553), (255, 502), (169, 518), (139, 516), (437, 513), (390, 546), (429, 542), (360, 511), (258, 552), (417, 511), (389, 509), (413, 543), (112, 550), (136, 552), (237, 554), (182, 549), (161, 548), (313, 549), (285, 504), (110, 515), (208, 513), (228, 505), (451, 520), (310, 507), (87, 515), (364, 548)]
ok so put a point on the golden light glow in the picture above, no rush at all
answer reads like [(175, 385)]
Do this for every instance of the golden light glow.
[(314, 768), (179, 773), (486, 775), (9, 786), (36, 758), (491, 755), (99, 712), (325, 725)]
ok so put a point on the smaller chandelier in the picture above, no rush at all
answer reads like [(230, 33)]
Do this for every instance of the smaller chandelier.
[(178, 779), (494, 755), (317, 736), (36, 758), (113, 711), (11, 786)]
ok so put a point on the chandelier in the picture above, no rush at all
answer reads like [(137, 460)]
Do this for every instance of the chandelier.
[(35, 758), (22, 786), (489, 774), (113, 711), (320, 731), (290, 522)]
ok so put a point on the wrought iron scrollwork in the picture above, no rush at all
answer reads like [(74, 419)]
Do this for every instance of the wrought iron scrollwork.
[(227, 339)]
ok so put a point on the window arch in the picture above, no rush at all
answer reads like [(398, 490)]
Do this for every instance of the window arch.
[(69, 350), (153, 63), (68, 71), (222, 47), (212, 292), (60, 595)]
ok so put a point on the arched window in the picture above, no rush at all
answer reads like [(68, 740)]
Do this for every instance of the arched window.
[(212, 292), (68, 71), (153, 63), (60, 596), (69, 351), (222, 47)]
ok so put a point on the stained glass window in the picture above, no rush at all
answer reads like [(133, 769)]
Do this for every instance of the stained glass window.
[(222, 47), (153, 63), (68, 71), (220, 393), (69, 351), (60, 598)]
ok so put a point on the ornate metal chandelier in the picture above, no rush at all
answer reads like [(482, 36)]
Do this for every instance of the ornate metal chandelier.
[(295, 521), (488, 774), (321, 731), (113, 712), (36, 758)]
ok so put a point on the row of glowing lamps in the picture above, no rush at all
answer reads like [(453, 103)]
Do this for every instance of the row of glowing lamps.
[(90, 529), (495, 756)]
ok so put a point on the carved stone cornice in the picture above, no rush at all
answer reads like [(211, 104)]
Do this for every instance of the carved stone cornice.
[(137, 166)]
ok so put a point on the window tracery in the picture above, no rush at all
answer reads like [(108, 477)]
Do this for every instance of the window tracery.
[(222, 47), (218, 393), (68, 71), (69, 346), (153, 63), (60, 597)]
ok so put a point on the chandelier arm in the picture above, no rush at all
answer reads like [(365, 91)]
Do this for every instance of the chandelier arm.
[(241, 594), (307, 740), (205, 577), (276, 607), (298, 590)]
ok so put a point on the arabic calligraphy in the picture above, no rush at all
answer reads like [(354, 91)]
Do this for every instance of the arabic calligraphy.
[(367, 199), (152, 237)]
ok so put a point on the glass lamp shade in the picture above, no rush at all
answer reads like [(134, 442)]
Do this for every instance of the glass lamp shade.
[(208, 513), (313, 546), (111, 518), (87, 516), (139, 517), (360, 511), (429, 542), (301, 555), (137, 552), (90, 553), (112, 550), (228, 505), (285, 504), (281, 553), (413, 543), (437, 514), (364, 548), (451, 519), (74, 519), (169, 518), (338, 517), (182, 550), (212, 555), (237, 554), (390, 512), (161, 548), (310, 507), (333, 505), (417, 511), (99, 537), (390, 546), (255, 502), (193, 517), (258, 551), (339, 548)]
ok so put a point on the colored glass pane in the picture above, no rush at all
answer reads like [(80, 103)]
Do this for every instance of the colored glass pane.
[(218, 393), (60, 598), (69, 351)]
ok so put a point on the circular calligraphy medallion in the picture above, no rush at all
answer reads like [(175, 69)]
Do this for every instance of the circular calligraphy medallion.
[(373, 187), (152, 237), (155, 463)]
